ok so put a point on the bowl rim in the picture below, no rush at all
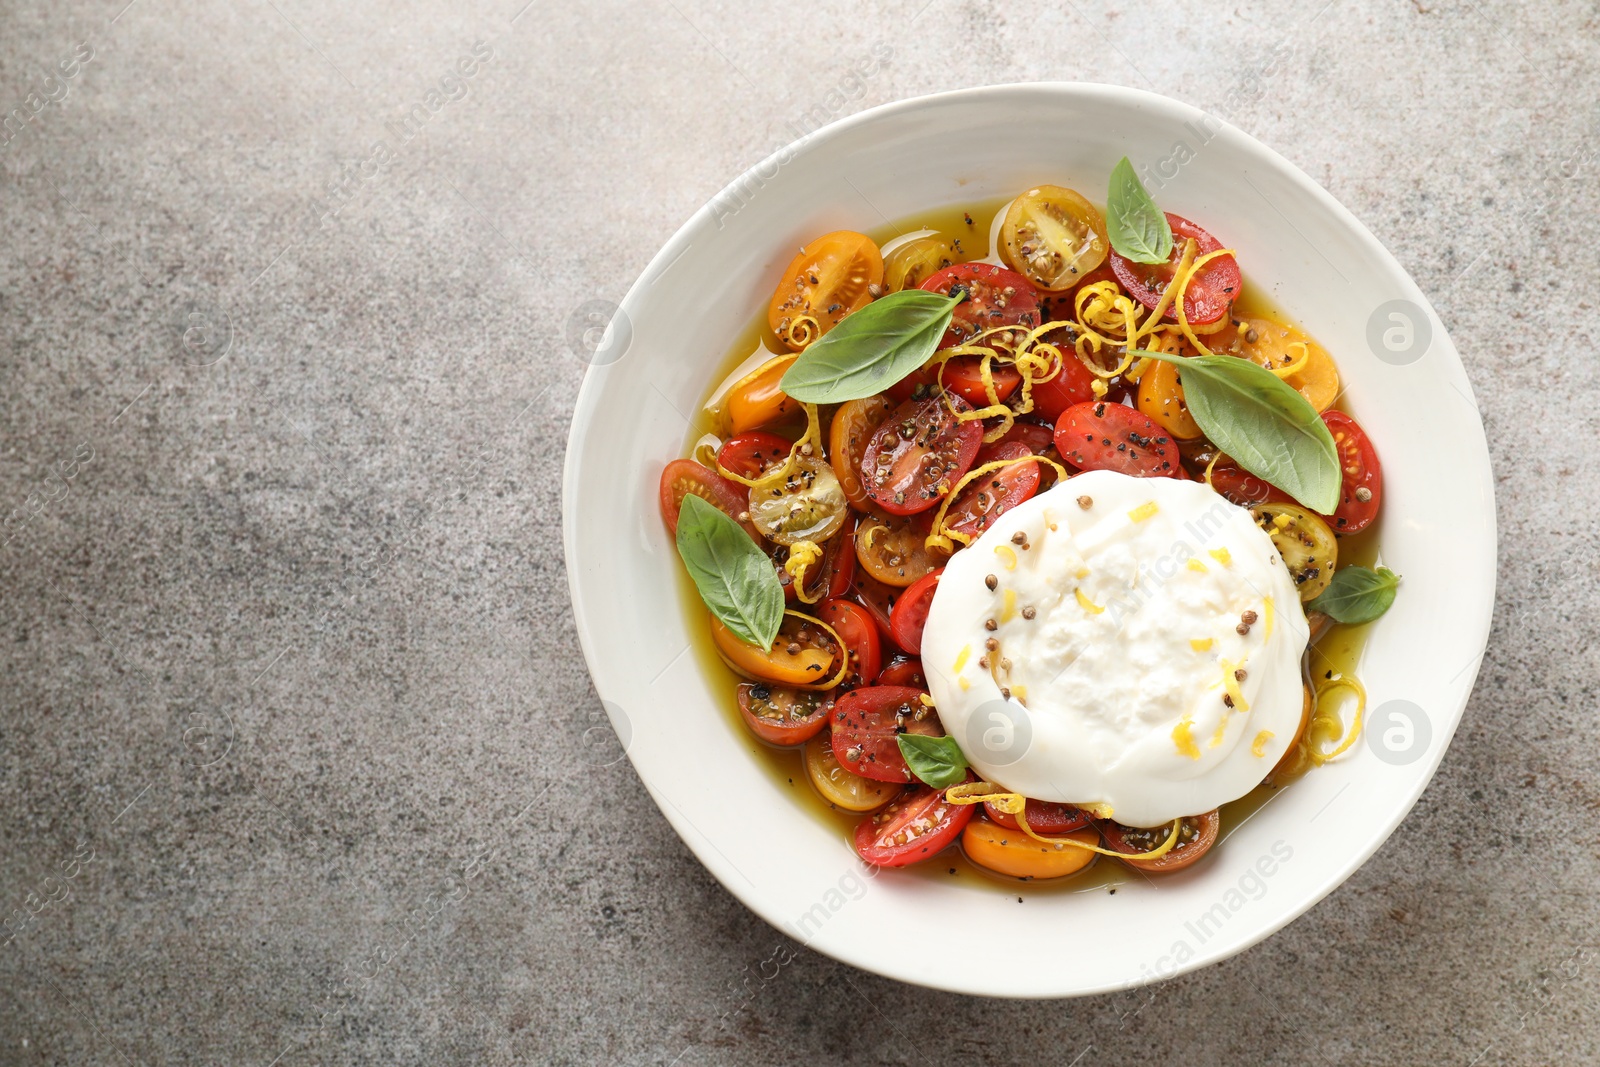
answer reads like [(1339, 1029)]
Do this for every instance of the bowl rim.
[(678, 244)]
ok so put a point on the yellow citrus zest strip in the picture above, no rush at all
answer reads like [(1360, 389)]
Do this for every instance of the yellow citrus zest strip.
[(1020, 692), (1331, 720), (927, 701), (844, 652), (1008, 606), (1016, 804), (1086, 604), (802, 554), (1182, 285), (1215, 456), (1221, 732), (940, 537), (1200, 644), (1174, 290), (1224, 557), (775, 478), (1231, 684), (1198, 565), (1298, 364), (1267, 614), (1258, 747), (1183, 737), (1143, 511), (961, 659), (1007, 556), (964, 684)]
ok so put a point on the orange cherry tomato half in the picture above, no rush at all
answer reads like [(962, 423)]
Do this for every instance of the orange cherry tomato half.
[(895, 550), (1195, 838), (904, 670), (866, 723), (803, 655), (991, 495), (1212, 290), (1361, 492), (853, 426), (910, 613), (860, 636), (1161, 398), (1012, 852), (782, 716), (757, 399), (684, 476), (1044, 817), (995, 297), (919, 824), (919, 453), (1053, 236), (1112, 437), (831, 277)]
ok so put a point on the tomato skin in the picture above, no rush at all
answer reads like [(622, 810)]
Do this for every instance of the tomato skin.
[(1359, 462), (879, 599), (832, 576), (1012, 852), (758, 399), (853, 426), (1044, 817), (1211, 292), (962, 376), (1037, 253), (896, 470), (771, 712), (1245, 489), (995, 297), (911, 612), (894, 551), (988, 497), (753, 453), (830, 277), (1072, 384), (1032, 436), (1160, 396), (837, 786), (860, 636), (904, 670), (1106, 436), (684, 476), (812, 667), (922, 812), (1196, 838), (866, 723)]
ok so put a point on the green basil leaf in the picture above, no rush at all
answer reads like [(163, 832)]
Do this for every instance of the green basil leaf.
[(871, 348), (735, 578), (1357, 594), (1138, 229), (936, 761), (1263, 423)]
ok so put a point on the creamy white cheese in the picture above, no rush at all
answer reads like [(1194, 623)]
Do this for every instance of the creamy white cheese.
[(1116, 623)]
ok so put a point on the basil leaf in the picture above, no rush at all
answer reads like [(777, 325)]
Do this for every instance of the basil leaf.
[(937, 761), (871, 348), (1357, 594), (1138, 229), (734, 576), (1263, 423)]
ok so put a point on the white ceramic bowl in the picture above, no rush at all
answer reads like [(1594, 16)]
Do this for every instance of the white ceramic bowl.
[(1405, 382)]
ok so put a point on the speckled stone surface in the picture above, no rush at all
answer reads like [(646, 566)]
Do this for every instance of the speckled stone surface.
[(292, 705)]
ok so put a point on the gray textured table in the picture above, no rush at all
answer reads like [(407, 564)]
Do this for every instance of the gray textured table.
[(292, 702)]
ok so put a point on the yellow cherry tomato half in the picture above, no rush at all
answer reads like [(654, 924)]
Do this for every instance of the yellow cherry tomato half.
[(756, 399), (1161, 398), (1015, 853), (804, 655), (840, 787), (1053, 237), (911, 264), (1275, 345), (1304, 541), (831, 277)]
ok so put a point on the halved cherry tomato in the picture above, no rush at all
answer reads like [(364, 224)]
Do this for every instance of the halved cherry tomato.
[(1245, 489), (1304, 541), (919, 824), (962, 376), (911, 264), (1010, 851), (754, 453), (853, 426), (919, 453), (839, 787), (1053, 237), (895, 550), (1210, 293), (783, 716), (684, 476), (860, 636), (829, 577), (810, 505), (1294, 759), (1036, 438), (1362, 490), (757, 399), (879, 600), (803, 655), (989, 496), (1111, 437), (1044, 817), (995, 297), (866, 723), (831, 277), (904, 670), (1195, 838), (1275, 345), (911, 612), (1161, 398), (1072, 384)]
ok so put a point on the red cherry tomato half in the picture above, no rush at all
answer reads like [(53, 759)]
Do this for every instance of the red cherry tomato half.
[(1044, 817), (995, 297), (1195, 838), (1034, 437), (919, 453), (684, 476), (1111, 437), (1363, 475), (962, 376), (860, 636), (919, 824), (991, 495), (831, 576), (1211, 292), (866, 723), (1072, 384), (879, 600), (780, 715), (752, 454), (911, 612), (904, 670), (1245, 489)]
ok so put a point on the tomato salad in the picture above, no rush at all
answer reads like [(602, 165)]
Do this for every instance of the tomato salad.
[(1064, 352)]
